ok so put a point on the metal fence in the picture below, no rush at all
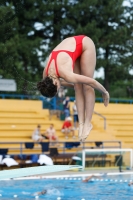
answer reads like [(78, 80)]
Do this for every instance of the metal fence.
[(62, 146)]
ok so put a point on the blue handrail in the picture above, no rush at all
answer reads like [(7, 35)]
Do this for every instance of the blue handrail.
[(53, 103)]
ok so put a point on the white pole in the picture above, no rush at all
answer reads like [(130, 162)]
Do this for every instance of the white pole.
[(131, 158), (83, 159)]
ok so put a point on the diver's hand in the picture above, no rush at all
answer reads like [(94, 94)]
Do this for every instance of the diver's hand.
[(106, 98)]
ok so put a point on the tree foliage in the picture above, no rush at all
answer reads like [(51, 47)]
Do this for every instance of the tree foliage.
[(31, 29)]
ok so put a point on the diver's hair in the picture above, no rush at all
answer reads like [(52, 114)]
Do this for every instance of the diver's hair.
[(47, 88)]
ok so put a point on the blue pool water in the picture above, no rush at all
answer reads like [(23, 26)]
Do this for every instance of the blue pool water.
[(108, 188)]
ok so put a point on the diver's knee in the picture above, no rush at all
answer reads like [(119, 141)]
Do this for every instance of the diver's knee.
[(78, 86), (87, 88)]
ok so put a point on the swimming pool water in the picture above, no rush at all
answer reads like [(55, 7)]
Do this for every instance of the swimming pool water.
[(108, 188)]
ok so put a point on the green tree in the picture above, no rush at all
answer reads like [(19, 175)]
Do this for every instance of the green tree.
[(38, 26), (8, 40), (28, 46), (23, 50)]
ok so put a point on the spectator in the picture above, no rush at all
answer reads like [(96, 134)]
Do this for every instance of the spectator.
[(62, 92), (75, 115), (36, 136), (66, 105), (51, 133), (67, 127)]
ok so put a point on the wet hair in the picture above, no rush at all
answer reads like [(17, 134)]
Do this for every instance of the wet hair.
[(47, 88), (43, 192)]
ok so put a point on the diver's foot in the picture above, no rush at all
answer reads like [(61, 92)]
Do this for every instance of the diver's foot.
[(80, 130), (86, 132)]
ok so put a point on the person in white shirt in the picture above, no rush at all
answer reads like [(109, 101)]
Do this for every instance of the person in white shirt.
[(36, 136)]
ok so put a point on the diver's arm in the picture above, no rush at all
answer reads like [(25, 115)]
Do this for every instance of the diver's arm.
[(76, 78), (65, 83)]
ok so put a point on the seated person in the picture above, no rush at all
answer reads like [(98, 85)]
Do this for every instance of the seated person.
[(67, 127), (36, 136), (51, 133)]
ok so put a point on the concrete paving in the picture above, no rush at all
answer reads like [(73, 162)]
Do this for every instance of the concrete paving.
[(88, 171)]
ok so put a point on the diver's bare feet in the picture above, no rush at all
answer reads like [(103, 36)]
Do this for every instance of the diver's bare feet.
[(106, 98), (86, 132), (80, 130)]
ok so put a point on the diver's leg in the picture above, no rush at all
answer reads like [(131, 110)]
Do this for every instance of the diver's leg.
[(79, 95), (87, 66)]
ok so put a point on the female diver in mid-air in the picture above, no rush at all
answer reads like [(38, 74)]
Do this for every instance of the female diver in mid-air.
[(74, 61)]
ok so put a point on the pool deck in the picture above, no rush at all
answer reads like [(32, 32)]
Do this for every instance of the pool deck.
[(74, 173), (88, 172)]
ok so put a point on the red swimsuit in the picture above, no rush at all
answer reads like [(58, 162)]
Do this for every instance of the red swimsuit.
[(74, 55)]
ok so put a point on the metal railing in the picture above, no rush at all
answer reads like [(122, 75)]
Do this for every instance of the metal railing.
[(104, 118), (63, 148)]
